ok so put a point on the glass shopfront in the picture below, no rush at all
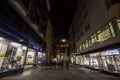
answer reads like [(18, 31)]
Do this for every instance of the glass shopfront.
[(77, 60), (87, 60), (41, 57), (13, 48), (94, 60), (12, 55), (30, 56), (111, 61), (81, 62)]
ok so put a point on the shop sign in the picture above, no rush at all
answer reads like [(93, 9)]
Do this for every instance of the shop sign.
[(112, 52), (35, 47)]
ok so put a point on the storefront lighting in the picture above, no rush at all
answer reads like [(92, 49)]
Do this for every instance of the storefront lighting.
[(36, 47), (24, 48), (63, 40), (15, 44), (1, 38), (21, 40)]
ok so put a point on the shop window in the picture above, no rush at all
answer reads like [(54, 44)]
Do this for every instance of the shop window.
[(99, 36), (112, 30), (3, 48), (12, 55)]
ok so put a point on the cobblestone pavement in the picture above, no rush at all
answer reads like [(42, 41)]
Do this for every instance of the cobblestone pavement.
[(74, 73)]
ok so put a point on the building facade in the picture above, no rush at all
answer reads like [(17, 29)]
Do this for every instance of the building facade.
[(97, 34), (22, 34)]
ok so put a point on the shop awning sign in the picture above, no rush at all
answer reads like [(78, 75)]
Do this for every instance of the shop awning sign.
[(112, 52)]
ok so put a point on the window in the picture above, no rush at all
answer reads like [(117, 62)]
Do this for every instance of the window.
[(93, 39), (118, 22), (112, 30), (86, 43), (89, 43), (80, 47), (12, 55), (83, 45), (104, 35)]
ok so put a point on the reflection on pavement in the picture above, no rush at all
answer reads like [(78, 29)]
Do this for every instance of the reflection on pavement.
[(27, 73)]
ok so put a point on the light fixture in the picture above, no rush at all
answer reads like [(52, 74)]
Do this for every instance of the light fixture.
[(21, 40), (15, 44), (63, 40), (1, 38), (24, 48)]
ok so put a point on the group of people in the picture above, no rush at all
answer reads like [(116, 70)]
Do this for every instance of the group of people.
[(60, 63)]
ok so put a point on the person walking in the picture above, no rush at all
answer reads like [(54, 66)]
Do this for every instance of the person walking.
[(58, 62), (62, 64), (51, 63), (54, 63), (67, 64)]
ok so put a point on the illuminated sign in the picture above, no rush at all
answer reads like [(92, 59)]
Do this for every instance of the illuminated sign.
[(36, 47), (112, 52), (61, 45)]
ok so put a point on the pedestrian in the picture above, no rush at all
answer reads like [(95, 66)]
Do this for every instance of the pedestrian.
[(51, 63), (62, 64), (67, 64), (58, 62), (54, 63)]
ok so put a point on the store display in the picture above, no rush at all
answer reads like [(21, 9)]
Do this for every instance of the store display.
[(30, 57), (41, 57)]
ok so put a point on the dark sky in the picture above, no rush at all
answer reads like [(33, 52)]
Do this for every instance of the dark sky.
[(61, 14)]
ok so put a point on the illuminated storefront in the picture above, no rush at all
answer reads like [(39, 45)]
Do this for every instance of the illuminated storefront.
[(107, 60), (94, 60), (110, 61), (32, 54), (87, 60), (13, 48), (41, 58), (79, 60)]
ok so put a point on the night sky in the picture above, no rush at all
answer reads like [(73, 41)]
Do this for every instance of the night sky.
[(61, 16)]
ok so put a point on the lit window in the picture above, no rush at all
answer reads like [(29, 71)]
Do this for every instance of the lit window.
[(108, 35), (104, 35), (86, 44), (112, 31), (118, 21), (93, 39)]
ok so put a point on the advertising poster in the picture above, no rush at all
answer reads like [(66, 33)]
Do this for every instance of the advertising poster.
[(41, 57)]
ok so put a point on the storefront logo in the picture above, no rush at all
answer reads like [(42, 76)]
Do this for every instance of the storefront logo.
[(112, 52), (36, 47)]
